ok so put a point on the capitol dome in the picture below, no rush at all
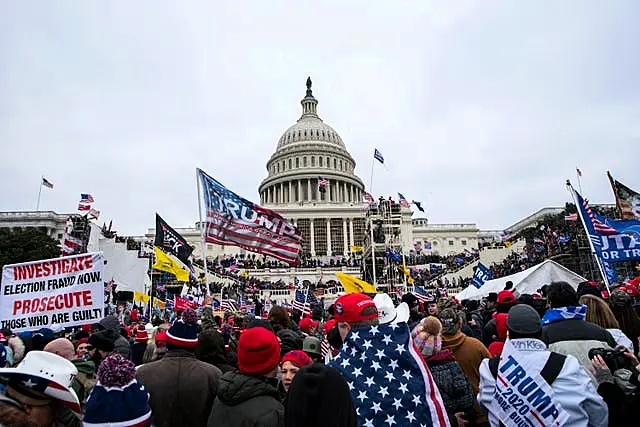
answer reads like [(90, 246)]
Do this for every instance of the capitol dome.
[(311, 164)]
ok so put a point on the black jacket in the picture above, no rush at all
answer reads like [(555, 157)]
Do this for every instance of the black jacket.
[(245, 401)]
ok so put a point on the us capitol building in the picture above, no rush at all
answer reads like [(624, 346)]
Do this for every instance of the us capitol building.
[(331, 219)]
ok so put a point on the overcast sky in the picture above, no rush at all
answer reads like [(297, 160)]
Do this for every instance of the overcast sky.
[(481, 109)]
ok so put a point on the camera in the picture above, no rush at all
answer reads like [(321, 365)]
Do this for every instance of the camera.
[(615, 359)]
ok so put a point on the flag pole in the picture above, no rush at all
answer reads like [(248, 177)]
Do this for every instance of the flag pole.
[(373, 163), (578, 174), (605, 279), (373, 251), (202, 240), (39, 194)]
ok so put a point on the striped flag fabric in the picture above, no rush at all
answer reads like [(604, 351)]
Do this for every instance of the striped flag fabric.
[(403, 202), (422, 295), (571, 217), (598, 225), (301, 301), (234, 220), (325, 348), (368, 197), (228, 305), (323, 182), (46, 183), (82, 207), (86, 198)]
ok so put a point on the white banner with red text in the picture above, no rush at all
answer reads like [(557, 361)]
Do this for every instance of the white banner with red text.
[(53, 293)]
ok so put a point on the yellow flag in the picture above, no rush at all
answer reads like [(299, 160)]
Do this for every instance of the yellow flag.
[(353, 285), (140, 297), (164, 263), (507, 244), (355, 249), (159, 304)]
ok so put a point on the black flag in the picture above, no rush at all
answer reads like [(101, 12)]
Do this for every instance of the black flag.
[(170, 241)]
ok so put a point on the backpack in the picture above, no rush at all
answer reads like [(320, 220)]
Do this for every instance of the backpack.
[(549, 372)]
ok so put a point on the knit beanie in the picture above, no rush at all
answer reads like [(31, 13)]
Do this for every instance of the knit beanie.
[(297, 357), (427, 336), (117, 399), (258, 352), (184, 331), (62, 347)]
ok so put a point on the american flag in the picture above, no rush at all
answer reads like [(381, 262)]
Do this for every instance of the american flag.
[(389, 381), (82, 207), (86, 198), (323, 182), (368, 197), (234, 220), (228, 305), (325, 348), (571, 217), (378, 156), (598, 225), (578, 172), (46, 183), (71, 245), (403, 202), (303, 300), (422, 295)]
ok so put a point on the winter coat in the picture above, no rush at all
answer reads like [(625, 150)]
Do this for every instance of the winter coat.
[(86, 379), (181, 388), (245, 401), (576, 337), (137, 352), (469, 353), (455, 389)]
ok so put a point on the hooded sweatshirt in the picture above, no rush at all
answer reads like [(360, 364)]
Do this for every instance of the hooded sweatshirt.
[(210, 349)]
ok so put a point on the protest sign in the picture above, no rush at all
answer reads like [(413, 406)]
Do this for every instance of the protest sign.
[(480, 275), (67, 291)]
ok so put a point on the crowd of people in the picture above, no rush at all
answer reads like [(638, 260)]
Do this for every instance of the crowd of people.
[(572, 350)]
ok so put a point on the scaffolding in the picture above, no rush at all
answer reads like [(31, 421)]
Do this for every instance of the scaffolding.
[(383, 234)]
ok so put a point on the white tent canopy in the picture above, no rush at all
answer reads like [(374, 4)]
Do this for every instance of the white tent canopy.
[(525, 282)]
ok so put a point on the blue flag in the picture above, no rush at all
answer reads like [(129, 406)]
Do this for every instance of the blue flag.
[(389, 381), (481, 275), (610, 271), (612, 240)]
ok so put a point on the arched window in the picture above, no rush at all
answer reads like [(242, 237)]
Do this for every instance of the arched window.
[(335, 164), (290, 163), (313, 160), (341, 165), (297, 162), (278, 166), (304, 161), (328, 162), (320, 161)]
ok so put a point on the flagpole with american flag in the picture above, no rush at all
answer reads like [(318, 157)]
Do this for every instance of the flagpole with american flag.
[(578, 204), (43, 182), (202, 239), (579, 175)]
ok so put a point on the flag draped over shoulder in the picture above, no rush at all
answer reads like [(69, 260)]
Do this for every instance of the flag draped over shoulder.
[(234, 220), (389, 381), (164, 263), (171, 242), (353, 285), (627, 200)]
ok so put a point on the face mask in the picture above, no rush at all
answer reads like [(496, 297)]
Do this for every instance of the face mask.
[(334, 338)]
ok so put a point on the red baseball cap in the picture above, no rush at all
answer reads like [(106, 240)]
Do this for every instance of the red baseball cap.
[(630, 290), (306, 324), (328, 325), (506, 297), (349, 307)]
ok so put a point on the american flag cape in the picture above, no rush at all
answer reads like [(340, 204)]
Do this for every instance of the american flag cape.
[(228, 305), (389, 381), (234, 220)]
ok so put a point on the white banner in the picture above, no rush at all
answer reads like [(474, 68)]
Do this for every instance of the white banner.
[(67, 291), (523, 397)]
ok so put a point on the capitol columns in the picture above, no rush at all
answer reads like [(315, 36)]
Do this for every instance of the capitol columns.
[(308, 189), (329, 237), (345, 237), (300, 199), (312, 237), (351, 239), (289, 195)]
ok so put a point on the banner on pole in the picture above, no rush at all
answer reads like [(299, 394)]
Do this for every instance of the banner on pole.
[(67, 291), (234, 220), (481, 275)]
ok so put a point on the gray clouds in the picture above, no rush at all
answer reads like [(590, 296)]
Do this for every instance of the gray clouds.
[(482, 109)]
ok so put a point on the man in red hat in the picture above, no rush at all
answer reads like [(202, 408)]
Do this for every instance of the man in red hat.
[(353, 311)]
